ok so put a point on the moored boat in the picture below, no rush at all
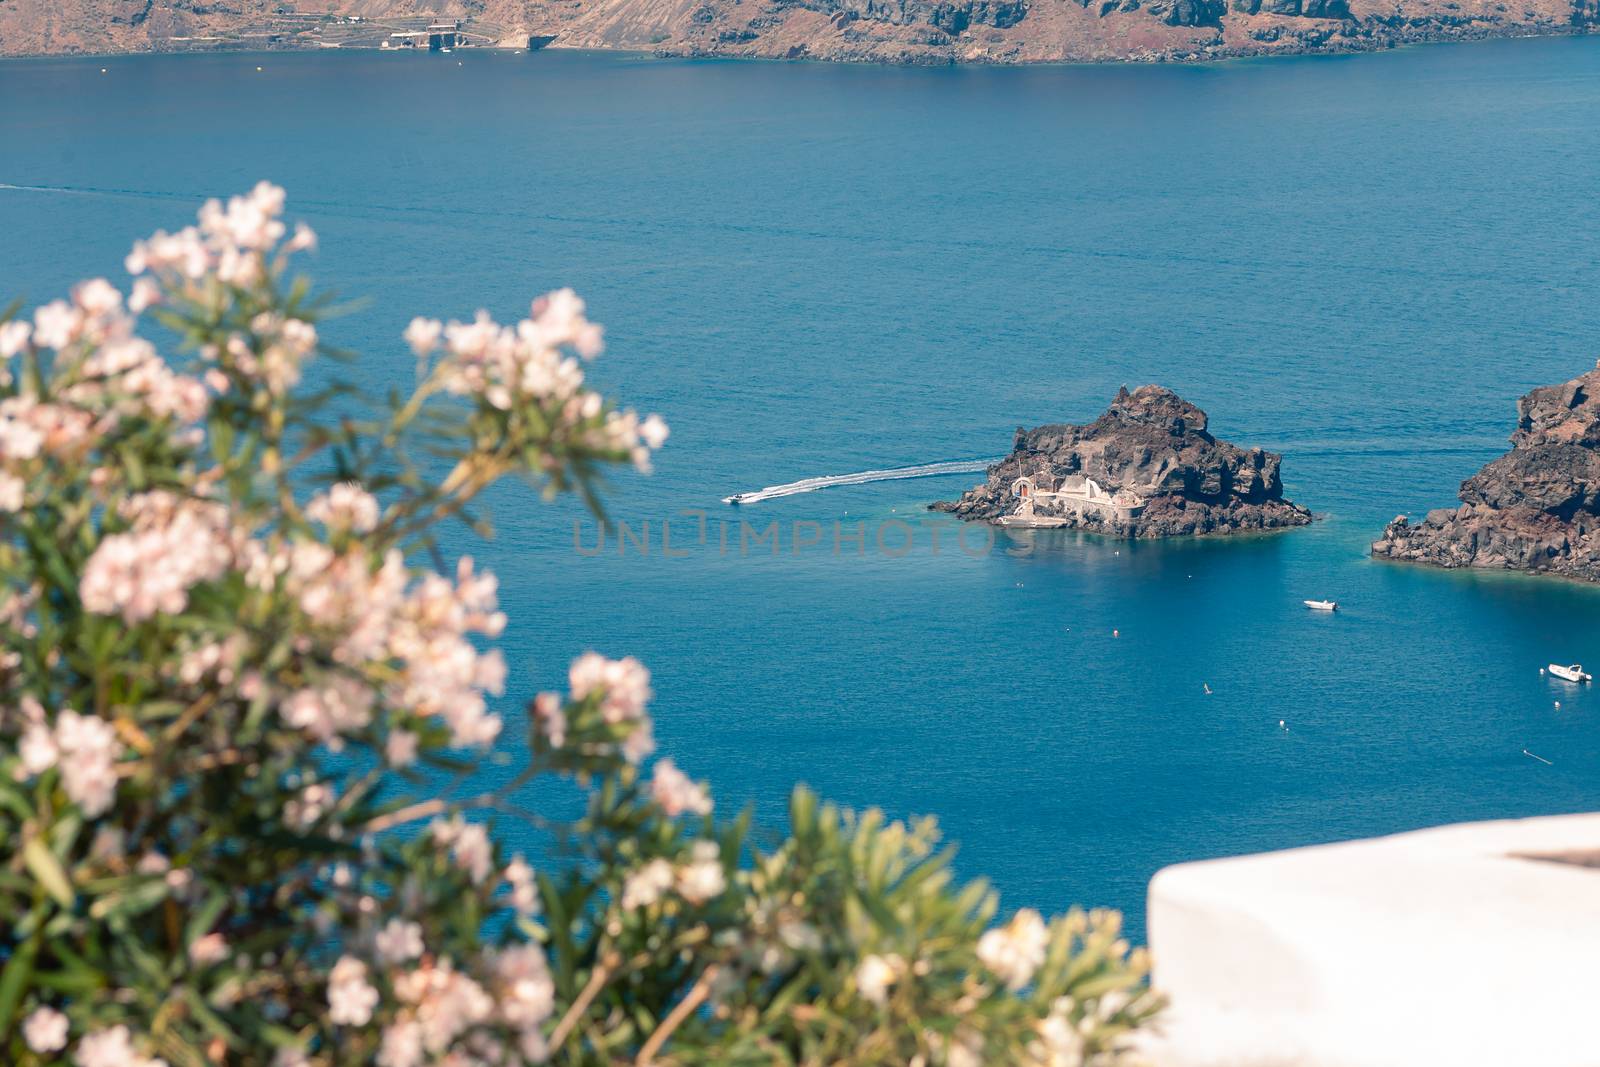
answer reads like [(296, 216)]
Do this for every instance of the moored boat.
[(1573, 673), (1322, 605)]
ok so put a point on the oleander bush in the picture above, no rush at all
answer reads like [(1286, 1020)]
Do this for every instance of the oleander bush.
[(244, 697)]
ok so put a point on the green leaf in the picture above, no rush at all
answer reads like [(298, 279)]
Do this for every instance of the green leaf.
[(15, 979), (47, 869)]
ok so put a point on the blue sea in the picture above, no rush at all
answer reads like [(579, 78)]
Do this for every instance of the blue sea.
[(808, 270)]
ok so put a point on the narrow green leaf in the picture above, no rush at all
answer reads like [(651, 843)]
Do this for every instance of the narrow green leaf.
[(47, 869)]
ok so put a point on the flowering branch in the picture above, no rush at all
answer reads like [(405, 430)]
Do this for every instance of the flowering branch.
[(229, 686)]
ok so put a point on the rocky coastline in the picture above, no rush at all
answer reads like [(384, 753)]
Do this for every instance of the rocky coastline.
[(918, 32), (1155, 469), (1535, 509)]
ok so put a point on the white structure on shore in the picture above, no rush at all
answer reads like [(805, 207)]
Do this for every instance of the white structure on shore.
[(1476, 945), (1076, 495)]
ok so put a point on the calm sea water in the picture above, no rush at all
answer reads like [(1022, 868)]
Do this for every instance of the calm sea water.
[(812, 270)]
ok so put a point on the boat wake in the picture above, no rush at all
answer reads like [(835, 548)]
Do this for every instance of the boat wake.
[(811, 485)]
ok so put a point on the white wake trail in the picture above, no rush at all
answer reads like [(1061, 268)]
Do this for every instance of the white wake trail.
[(811, 485)]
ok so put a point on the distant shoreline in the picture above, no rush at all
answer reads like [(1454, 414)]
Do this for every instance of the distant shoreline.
[(1360, 38)]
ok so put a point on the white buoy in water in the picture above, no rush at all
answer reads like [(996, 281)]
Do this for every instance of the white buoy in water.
[(1281, 726), (1114, 633), (1541, 670), (1558, 705)]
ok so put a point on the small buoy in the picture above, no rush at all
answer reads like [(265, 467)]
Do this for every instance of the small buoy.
[(1541, 670), (1281, 725), (1116, 552), (102, 70), (1115, 634), (1558, 705)]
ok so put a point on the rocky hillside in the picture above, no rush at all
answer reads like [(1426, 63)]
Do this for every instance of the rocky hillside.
[(1154, 444), (1536, 508), (896, 31)]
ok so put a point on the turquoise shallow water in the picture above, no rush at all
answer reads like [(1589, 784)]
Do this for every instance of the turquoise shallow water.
[(811, 270)]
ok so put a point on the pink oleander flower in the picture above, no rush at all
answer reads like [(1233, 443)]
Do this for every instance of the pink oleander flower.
[(208, 950), (351, 998), (702, 879), (445, 1003), (13, 338), (423, 335), (524, 889), (45, 1030), (400, 748), (468, 843), (402, 1044), (398, 941), (552, 718), (112, 1048), (88, 751), (345, 506), (12, 490), (523, 986), (174, 545), (676, 793), (342, 705), (646, 885)]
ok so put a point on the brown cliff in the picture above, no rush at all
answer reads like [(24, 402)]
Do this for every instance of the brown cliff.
[(1536, 508), (894, 31)]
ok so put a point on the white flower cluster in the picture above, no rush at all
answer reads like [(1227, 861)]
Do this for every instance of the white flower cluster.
[(345, 506), (699, 881), (624, 688), (271, 355), (1015, 951), (524, 889), (538, 360), (376, 615), (104, 374), (231, 241), (174, 545), (84, 747), (351, 997), (875, 974), (676, 793), (112, 1048), (468, 843)]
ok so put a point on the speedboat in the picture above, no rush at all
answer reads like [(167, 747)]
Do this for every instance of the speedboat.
[(1322, 605), (739, 498), (1574, 673)]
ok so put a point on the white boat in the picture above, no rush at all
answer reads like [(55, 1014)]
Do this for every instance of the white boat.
[(1322, 605), (739, 498), (1574, 673)]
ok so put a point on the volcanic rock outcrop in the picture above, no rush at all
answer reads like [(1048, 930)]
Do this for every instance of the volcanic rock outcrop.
[(1536, 508), (1155, 472)]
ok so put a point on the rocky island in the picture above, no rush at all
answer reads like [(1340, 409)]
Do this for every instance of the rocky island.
[(1536, 508), (1146, 468)]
